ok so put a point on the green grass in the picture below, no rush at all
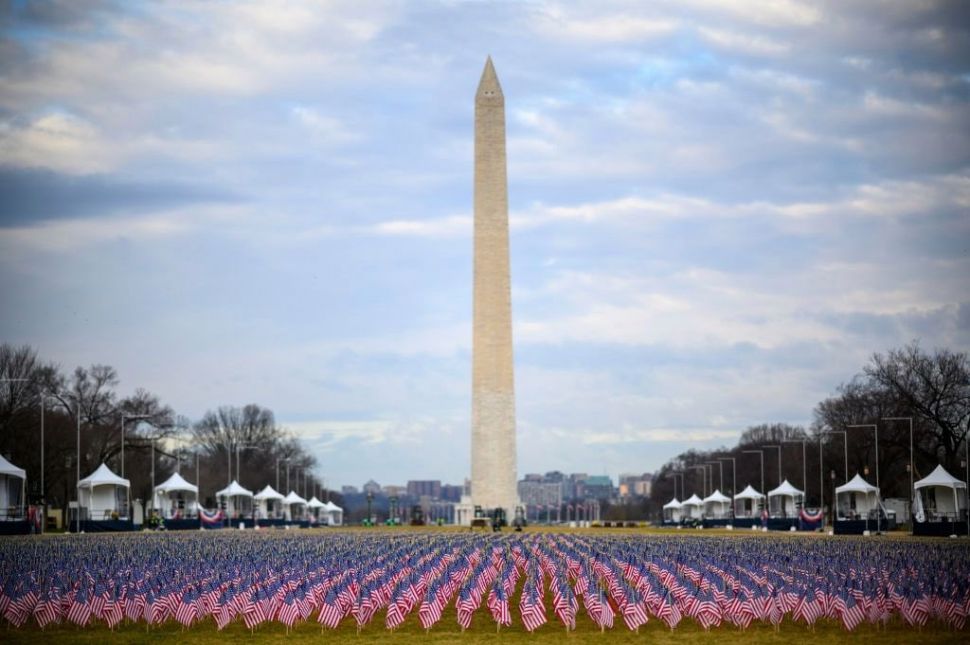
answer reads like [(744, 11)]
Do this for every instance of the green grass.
[(483, 631)]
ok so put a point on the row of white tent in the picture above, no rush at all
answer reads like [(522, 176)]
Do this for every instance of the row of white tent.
[(103, 493), (782, 500), (940, 491), (269, 502)]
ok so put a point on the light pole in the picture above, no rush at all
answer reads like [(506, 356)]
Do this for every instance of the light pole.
[(734, 480), (720, 465), (821, 478), (77, 487), (762, 455), (778, 448), (912, 466), (704, 477), (238, 470), (682, 491), (131, 417), (875, 429), (804, 469)]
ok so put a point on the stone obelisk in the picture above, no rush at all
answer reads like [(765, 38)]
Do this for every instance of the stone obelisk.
[(493, 387)]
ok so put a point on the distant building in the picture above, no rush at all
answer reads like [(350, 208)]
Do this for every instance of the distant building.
[(451, 493), (393, 490), (372, 487), (532, 477), (536, 493), (349, 490), (574, 486), (638, 485), (430, 488), (598, 487)]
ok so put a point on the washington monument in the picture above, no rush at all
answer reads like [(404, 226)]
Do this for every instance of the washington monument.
[(493, 386)]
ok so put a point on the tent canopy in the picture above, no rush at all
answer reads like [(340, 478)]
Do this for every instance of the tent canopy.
[(940, 477), (717, 497), (693, 500), (293, 498), (7, 468), (857, 485), (233, 490), (674, 503), (101, 477), (268, 493), (331, 508), (174, 484), (315, 503), (749, 493), (786, 490)]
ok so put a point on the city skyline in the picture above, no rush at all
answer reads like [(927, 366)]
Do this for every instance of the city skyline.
[(717, 214)]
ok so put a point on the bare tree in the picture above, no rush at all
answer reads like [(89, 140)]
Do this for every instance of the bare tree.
[(934, 388)]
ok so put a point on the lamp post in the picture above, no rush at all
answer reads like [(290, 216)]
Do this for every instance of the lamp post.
[(370, 500), (720, 465), (734, 481), (875, 429), (78, 486), (910, 467), (704, 477), (762, 454), (833, 513), (778, 448), (682, 491), (804, 470), (130, 417)]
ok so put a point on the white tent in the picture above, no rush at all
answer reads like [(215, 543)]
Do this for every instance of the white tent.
[(289, 502), (266, 498), (103, 493), (943, 495), (750, 499), (13, 482), (232, 493), (783, 501), (692, 507), (177, 497), (672, 510), (335, 514), (856, 498), (717, 504), (313, 508)]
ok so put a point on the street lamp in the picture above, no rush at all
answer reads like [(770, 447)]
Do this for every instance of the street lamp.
[(845, 446), (778, 448), (77, 487), (875, 429), (704, 479), (804, 468), (734, 480), (720, 465), (238, 470), (762, 454), (131, 417), (683, 492)]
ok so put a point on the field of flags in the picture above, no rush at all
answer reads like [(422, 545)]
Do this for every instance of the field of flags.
[(520, 581)]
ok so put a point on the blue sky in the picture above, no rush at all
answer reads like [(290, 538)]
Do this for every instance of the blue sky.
[(719, 211)]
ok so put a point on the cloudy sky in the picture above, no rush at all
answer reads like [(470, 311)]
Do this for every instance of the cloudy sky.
[(718, 212)]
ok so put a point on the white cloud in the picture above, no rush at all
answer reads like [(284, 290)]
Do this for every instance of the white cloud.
[(744, 43)]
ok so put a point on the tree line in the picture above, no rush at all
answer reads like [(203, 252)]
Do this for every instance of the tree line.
[(37, 397), (930, 388)]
